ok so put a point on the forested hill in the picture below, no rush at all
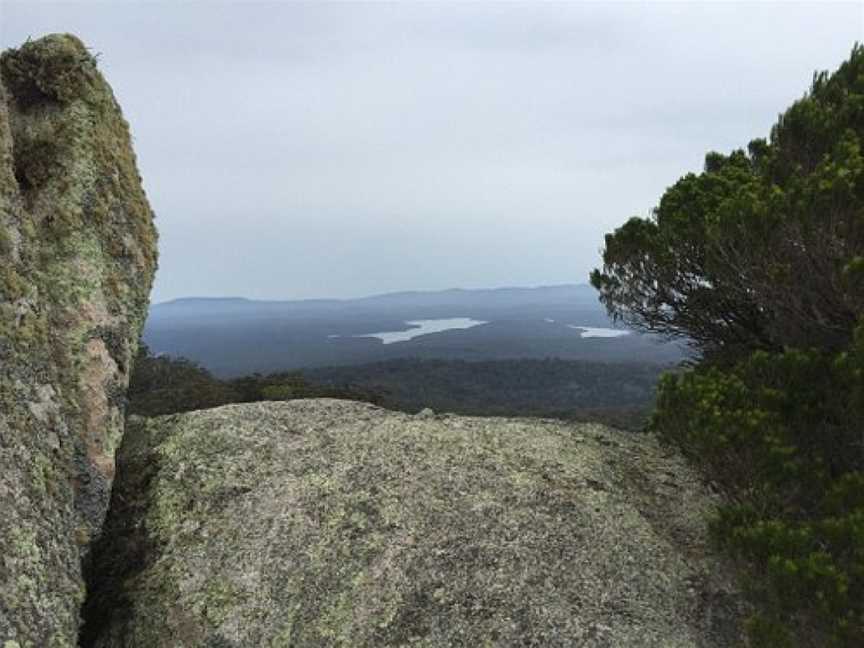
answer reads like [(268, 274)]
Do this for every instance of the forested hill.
[(566, 295), (619, 394)]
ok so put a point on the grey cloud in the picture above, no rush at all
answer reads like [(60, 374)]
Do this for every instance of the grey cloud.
[(336, 149)]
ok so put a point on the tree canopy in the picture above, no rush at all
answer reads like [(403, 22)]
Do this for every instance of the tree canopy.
[(764, 249), (758, 261)]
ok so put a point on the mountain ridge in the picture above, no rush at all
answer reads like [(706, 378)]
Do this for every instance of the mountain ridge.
[(521, 290)]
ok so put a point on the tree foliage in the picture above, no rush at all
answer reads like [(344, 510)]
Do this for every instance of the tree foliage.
[(758, 261), (616, 394), (782, 434), (765, 248), (163, 385)]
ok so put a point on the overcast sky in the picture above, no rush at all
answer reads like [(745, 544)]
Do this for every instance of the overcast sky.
[(333, 150)]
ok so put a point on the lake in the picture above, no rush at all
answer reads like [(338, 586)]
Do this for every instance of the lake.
[(598, 332), (425, 327), (422, 327), (593, 331)]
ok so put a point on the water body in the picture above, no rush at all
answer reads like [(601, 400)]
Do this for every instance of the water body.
[(421, 327), (598, 332)]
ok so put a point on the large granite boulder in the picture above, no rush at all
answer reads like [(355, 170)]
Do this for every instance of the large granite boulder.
[(336, 523), (77, 257)]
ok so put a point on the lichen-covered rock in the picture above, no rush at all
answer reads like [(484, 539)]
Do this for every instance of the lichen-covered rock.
[(335, 523), (77, 257)]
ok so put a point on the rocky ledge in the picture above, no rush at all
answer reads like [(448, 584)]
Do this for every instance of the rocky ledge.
[(336, 523)]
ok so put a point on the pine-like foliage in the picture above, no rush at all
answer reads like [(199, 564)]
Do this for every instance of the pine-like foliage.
[(758, 262), (765, 248)]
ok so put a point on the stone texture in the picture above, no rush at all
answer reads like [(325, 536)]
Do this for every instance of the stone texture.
[(77, 257), (336, 523)]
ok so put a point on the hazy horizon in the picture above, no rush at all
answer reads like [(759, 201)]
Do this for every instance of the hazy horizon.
[(574, 284), (323, 150)]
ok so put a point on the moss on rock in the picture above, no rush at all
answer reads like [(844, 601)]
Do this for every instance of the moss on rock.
[(336, 523), (71, 309)]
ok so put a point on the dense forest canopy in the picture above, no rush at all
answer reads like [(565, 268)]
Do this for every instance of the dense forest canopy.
[(619, 394), (758, 261), (163, 385)]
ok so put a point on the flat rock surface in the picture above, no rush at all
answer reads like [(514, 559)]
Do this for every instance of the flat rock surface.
[(335, 523)]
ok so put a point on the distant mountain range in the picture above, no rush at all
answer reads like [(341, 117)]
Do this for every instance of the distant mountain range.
[(234, 335), (509, 297)]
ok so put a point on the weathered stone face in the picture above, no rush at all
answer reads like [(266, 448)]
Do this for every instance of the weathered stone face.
[(333, 523), (77, 257)]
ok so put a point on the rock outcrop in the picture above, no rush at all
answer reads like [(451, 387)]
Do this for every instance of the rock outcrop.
[(335, 523), (307, 523), (77, 257)]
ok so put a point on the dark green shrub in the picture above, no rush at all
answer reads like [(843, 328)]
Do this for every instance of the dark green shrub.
[(783, 436)]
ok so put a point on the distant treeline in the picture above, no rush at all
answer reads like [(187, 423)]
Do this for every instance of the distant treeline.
[(617, 394), (165, 385), (620, 394)]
